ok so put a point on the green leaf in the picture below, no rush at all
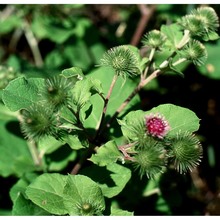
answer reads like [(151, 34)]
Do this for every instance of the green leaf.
[(48, 145), (106, 154), (212, 67), (25, 207), (211, 36), (83, 90), (5, 212), (44, 27), (20, 186), (76, 142), (163, 206), (75, 72), (176, 70), (66, 115), (79, 191), (54, 59), (116, 211), (112, 178), (22, 206), (179, 118), (60, 158), (121, 91), (21, 93), (15, 158), (46, 191), (6, 75), (174, 35), (6, 114), (92, 122), (68, 126), (10, 23), (85, 111), (97, 49), (81, 26), (77, 55), (132, 125)]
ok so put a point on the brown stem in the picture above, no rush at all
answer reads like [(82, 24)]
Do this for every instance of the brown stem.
[(146, 13), (82, 160)]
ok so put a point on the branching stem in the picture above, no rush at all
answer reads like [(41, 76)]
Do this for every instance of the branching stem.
[(142, 83), (144, 80), (152, 52), (87, 153), (146, 14)]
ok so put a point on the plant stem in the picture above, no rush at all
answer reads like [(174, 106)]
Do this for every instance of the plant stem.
[(184, 40), (131, 96), (88, 152), (156, 73), (106, 100), (146, 14), (32, 41), (82, 160), (34, 152), (179, 61), (126, 146), (152, 52), (143, 82), (15, 38)]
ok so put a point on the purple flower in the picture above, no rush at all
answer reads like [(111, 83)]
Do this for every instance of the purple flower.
[(157, 125)]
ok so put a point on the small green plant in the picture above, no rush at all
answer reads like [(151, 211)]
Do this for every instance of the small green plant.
[(92, 117)]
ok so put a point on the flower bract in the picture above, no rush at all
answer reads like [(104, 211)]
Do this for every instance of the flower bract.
[(150, 161), (38, 121), (195, 51), (186, 151)]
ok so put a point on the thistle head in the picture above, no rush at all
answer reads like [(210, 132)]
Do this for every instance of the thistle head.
[(150, 161), (154, 39), (122, 60), (57, 91), (186, 151), (88, 208), (156, 125), (208, 17), (200, 22), (193, 24), (37, 122), (195, 51)]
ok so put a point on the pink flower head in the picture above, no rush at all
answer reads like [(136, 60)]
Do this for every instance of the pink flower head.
[(157, 125)]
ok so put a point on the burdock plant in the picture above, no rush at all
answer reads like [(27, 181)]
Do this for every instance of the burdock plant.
[(86, 114)]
